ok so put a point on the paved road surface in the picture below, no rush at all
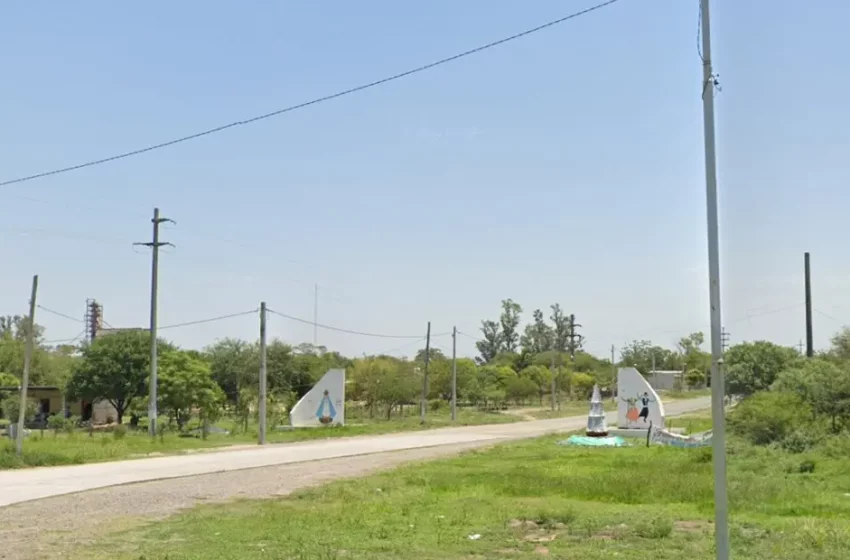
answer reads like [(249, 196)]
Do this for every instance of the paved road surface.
[(32, 484)]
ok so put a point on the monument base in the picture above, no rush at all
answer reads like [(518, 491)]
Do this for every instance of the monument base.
[(638, 433), (596, 434)]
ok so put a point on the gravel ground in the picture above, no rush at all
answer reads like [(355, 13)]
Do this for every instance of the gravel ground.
[(53, 527)]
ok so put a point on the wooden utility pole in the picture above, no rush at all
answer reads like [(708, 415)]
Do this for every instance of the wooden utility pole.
[(424, 401), (155, 244), (263, 377), (25, 378)]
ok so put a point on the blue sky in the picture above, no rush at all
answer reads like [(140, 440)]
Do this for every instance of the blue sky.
[(563, 167)]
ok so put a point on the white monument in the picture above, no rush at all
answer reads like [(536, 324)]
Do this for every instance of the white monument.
[(323, 405), (638, 404), (596, 425)]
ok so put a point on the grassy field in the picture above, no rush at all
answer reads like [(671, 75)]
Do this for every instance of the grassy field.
[(531, 500), (61, 448)]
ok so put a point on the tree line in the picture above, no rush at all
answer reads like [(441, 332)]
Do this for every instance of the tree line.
[(516, 363)]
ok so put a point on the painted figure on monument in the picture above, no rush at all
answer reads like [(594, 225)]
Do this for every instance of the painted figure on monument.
[(326, 411), (639, 404)]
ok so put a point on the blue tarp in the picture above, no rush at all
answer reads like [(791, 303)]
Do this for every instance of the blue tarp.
[(584, 441)]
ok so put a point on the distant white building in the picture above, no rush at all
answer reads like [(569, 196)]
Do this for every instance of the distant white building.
[(663, 380)]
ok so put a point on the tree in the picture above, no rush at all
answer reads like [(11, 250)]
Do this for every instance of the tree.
[(434, 354), (538, 336), (185, 385), (581, 385), (824, 386), (509, 321), (440, 378), (490, 343), (234, 364), (841, 345), (642, 354), (383, 381), (754, 366), (114, 368), (540, 376), (13, 334), (520, 389)]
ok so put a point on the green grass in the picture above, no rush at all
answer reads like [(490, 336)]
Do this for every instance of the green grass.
[(77, 448), (527, 500)]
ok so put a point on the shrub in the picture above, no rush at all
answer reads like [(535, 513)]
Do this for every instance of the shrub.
[(695, 378), (436, 404), (657, 528), (768, 417), (800, 440), (119, 431)]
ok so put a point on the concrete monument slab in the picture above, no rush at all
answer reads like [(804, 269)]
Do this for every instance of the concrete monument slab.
[(323, 405)]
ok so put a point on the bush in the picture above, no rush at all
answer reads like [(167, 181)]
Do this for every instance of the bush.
[(436, 404), (119, 431), (800, 440), (695, 378), (768, 417), (656, 528)]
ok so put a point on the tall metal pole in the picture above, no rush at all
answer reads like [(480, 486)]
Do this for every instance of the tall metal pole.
[(316, 315), (810, 346), (263, 376), (718, 389), (424, 401), (454, 374), (154, 245), (25, 378)]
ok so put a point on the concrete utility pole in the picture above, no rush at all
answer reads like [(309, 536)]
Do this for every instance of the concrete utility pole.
[(718, 388), (424, 401), (552, 375), (613, 374), (810, 345), (154, 245), (25, 378), (261, 435), (454, 374), (316, 315)]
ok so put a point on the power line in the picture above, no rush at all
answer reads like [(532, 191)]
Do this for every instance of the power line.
[(210, 320), (469, 336), (64, 316), (65, 340), (338, 329), (311, 102), (402, 347), (828, 316)]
